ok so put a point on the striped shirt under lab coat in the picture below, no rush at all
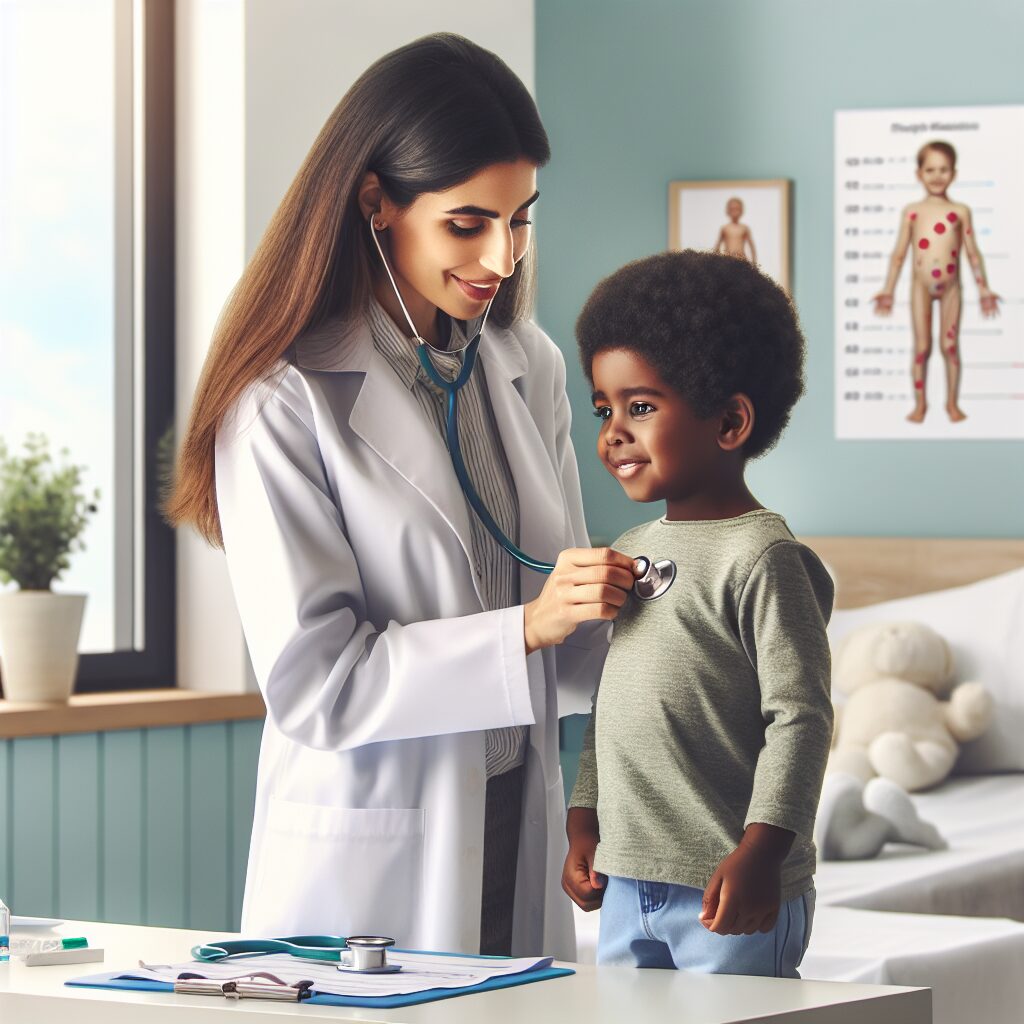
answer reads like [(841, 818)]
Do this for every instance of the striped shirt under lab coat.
[(488, 468)]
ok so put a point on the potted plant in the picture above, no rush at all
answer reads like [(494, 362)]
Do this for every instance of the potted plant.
[(43, 512)]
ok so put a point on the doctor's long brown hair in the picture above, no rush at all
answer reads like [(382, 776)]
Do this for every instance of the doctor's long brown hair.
[(425, 118)]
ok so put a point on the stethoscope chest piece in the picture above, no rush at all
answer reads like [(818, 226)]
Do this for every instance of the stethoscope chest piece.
[(656, 579), (368, 955)]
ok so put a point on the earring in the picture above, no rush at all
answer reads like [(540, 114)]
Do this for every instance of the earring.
[(379, 225)]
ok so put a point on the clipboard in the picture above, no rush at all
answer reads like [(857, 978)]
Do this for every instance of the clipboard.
[(117, 980)]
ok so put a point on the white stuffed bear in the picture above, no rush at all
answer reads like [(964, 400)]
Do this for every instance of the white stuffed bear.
[(894, 722)]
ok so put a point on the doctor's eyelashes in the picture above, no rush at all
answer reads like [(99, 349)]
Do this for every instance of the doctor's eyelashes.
[(472, 232)]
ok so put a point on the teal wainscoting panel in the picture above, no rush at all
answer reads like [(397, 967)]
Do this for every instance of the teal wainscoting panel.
[(166, 828), (123, 834), (33, 825), (209, 891), (78, 826), (138, 826), (573, 727), (6, 833), (245, 752)]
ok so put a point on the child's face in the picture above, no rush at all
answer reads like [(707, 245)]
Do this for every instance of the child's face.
[(650, 439), (734, 209), (936, 173)]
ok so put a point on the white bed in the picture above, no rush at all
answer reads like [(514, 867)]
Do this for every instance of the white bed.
[(972, 964), (980, 875)]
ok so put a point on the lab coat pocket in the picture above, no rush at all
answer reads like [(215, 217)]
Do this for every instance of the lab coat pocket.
[(339, 871)]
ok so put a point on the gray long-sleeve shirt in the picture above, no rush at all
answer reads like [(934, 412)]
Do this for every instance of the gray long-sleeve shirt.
[(714, 706)]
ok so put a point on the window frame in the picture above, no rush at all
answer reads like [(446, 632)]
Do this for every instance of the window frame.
[(150, 661)]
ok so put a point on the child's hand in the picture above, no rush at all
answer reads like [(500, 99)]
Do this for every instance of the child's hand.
[(583, 885), (990, 303), (744, 893), (883, 303)]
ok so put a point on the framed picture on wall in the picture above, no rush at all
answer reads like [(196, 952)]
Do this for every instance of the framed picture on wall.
[(749, 219)]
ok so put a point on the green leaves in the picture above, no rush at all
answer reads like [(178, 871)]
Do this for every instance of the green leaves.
[(42, 514)]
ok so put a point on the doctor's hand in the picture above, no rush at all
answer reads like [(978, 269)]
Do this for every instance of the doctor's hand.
[(583, 885), (587, 583)]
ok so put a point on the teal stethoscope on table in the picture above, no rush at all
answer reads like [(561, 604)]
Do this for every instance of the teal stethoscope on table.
[(365, 954), (655, 578)]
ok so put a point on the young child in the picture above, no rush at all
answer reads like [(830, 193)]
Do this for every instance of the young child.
[(734, 238), (938, 229), (693, 811)]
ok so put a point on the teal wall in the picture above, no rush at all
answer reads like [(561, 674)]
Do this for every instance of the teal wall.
[(637, 94), (147, 826)]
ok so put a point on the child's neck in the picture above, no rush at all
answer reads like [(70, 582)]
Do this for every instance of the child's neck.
[(722, 500)]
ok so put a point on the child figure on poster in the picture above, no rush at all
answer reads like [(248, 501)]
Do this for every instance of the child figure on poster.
[(938, 229), (735, 238), (692, 816)]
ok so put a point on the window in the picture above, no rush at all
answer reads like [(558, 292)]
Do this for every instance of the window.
[(86, 297)]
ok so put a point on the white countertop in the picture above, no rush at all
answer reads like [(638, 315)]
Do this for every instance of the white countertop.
[(594, 995)]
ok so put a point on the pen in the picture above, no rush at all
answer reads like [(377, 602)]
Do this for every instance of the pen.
[(22, 947)]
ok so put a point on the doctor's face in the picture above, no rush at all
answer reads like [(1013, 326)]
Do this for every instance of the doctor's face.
[(452, 249)]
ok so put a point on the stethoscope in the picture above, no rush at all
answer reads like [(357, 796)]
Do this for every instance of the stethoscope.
[(656, 577), (362, 954)]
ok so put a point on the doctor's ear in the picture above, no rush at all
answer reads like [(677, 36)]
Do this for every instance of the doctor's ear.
[(373, 202), (737, 423)]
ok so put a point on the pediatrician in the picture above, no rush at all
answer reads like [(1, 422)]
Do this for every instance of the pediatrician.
[(413, 670)]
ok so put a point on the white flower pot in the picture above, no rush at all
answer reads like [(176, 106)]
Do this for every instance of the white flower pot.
[(39, 633)]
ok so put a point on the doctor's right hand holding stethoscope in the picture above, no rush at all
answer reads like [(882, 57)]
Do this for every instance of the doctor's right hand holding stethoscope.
[(380, 442)]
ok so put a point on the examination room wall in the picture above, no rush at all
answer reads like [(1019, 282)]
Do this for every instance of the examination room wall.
[(635, 95)]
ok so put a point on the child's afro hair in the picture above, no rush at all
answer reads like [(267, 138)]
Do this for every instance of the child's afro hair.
[(711, 326)]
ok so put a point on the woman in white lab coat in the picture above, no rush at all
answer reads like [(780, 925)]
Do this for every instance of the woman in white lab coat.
[(349, 541)]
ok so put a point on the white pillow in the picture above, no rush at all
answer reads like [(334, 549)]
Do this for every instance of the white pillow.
[(984, 625)]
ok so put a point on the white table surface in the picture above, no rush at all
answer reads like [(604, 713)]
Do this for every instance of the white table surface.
[(37, 995)]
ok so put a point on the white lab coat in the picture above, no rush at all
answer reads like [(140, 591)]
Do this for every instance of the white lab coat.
[(348, 545)]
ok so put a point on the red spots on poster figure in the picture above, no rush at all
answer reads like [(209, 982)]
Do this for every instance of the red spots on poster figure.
[(951, 217), (923, 244), (913, 216), (950, 268), (936, 272), (919, 384), (919, 359), (940, 228)]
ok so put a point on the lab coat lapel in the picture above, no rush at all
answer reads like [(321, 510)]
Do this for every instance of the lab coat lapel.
[(388, 418), (539, 486)]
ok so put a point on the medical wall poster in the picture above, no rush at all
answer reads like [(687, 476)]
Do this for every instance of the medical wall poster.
[(748, 219), (929, 264)]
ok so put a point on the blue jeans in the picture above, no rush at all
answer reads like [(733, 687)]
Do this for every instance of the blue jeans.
[(654, 924)]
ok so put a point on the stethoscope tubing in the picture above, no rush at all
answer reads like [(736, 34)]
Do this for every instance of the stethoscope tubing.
[(451, 388)]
